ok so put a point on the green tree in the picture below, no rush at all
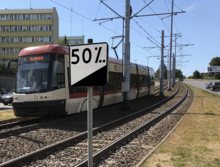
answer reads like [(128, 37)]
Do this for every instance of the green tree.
[(3, 69), (215, 61), (156, 74), (63, 42), (196, 74), (179, 73)]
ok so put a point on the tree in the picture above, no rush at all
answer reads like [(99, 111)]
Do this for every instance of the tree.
[(179, 73), (196, 74), (63, 41), (3, 69), (215, 61), (156, 74)]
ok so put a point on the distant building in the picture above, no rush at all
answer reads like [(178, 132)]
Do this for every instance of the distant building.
[(20, 28), (74, 40)]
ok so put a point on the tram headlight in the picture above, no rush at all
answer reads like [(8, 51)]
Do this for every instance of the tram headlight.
[(19, 98), (37, 97)]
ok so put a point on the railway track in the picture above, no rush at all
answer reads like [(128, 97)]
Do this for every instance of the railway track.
[(20, 125), (83, 135)]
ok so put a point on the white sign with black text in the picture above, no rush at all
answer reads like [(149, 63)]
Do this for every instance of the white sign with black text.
[(89, 64)]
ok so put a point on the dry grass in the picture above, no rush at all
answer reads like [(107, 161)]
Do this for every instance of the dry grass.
[(196, 141), (7, 114)]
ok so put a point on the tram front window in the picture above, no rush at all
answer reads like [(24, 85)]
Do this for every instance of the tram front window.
[(33, 73)]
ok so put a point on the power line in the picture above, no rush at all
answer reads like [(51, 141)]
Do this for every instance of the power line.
[(149, 25), (146, 31), (83, 16)]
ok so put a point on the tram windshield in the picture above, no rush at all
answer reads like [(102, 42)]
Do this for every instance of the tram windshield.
[(40, 73)]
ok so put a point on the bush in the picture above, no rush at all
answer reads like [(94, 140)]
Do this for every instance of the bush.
[(190, 77)]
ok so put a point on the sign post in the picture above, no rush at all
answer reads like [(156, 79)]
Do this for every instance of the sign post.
[(89, 67)]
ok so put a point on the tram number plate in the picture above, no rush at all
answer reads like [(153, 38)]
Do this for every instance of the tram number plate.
[(89, 64)]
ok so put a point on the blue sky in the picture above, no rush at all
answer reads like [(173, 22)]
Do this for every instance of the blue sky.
[(200, 26)]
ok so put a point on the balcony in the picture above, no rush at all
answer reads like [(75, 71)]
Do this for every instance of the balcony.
[(25, 33), (25, 22), (22, 45)]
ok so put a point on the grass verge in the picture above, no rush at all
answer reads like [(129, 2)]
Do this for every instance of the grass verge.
[(7, 114), (195, 142)]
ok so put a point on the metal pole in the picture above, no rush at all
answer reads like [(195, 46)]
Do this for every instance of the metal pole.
[(123, 34), (90, 121), (126, 59), (171, 33), (173, 71), (162, 64), (175, 60)]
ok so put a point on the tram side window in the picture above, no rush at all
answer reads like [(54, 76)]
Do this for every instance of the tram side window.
[(142, 80), (152, 81), (58, 76), (133, 81), (115, 80)]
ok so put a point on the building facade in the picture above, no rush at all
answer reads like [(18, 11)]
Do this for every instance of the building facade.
[(74, 40), (20, 28)]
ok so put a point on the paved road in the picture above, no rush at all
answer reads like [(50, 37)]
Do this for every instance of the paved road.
[(201, 85), (3, 107)]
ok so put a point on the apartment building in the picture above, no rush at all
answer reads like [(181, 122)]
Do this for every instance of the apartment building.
[(73, 40), (20, 28)]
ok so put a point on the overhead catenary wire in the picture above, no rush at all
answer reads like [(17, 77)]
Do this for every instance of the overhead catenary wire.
[(146, 32), (83, 16), (149, 25)]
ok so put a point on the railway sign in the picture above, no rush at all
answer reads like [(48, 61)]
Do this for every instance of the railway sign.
[(89, 64)]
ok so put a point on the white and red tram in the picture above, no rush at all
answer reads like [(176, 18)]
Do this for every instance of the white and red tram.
[(42, 84)]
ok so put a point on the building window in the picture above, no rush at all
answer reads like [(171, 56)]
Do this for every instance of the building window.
[(46, 39), (23, 16), (32, 28), (15, 28), (40, 28), (19, 39), (3, 39), (32, 39), (24, 28), (6, 39), (14, 17), (16, 39), (6, 28), (50, 39), (12, 50), (47, 16), (46, 28), (2, 28), (11, 39), (23, 39), (20, 17), (41, 16), (40, 39), (28, 28), (3, 17), (32, 17), (19, 28), (10, 17), (28, 17), (50, 28), (29, 39), (36, 39)]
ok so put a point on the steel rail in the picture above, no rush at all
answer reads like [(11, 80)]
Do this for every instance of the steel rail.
[(13, 124), (132, 134), (37, 125), (66, 142)]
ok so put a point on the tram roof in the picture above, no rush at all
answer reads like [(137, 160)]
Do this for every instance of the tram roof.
[(43, 49)]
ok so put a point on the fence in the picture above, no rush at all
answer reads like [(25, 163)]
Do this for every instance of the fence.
[(7, 82)]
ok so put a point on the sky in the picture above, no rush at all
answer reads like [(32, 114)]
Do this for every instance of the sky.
[(200, 26)]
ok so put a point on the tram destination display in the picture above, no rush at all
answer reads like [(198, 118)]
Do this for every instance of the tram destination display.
[(89, 64)]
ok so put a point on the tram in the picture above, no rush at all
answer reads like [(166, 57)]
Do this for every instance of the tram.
[(43, 83)]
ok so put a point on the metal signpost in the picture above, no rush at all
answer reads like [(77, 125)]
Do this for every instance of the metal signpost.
[(89, 67)]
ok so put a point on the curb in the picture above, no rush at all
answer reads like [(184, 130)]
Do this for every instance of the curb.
[(144, 159)]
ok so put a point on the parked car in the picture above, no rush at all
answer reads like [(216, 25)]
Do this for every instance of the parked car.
[(214, 86), (8, 98), (3, 91), (208, 84)]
